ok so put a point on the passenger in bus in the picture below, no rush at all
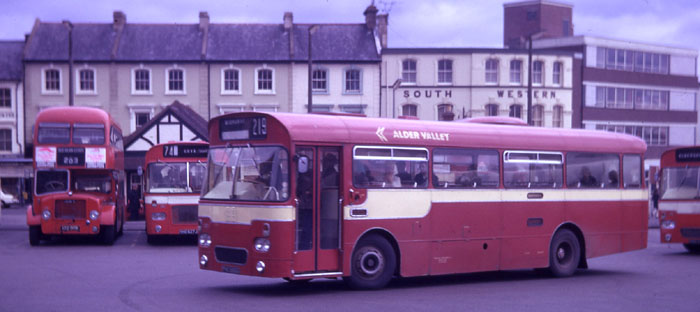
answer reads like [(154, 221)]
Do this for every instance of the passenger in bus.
[(612, 179), (391, 178), (587, 180), (403, 175), (470, 178), (421, 178), (329, 176), (361, 176)]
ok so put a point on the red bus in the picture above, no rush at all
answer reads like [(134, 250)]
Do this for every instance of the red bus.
[(318, 196), (679, 197), (78, 175), (174, 176)]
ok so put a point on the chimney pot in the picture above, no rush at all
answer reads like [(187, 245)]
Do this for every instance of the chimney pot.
[(203, 21), (119, 19), (371, 16), (288, 20)]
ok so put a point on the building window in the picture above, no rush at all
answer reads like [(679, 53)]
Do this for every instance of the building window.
[(491, 109), (408, 71), (6, 140), (5, 98), (176, 80), (516, 111), (491, 71), (231, 81), (142, 119), (142, 81), (538, 115), (319, 81), (52, 80), (556, 73), (631, 60), (265, 81), (627, 98), (353, 79), (652, 135), (409, 110), (558, 117), (445, 71), (353, 108), (86, 83), (445, 112), (516, 71), (537, 72)]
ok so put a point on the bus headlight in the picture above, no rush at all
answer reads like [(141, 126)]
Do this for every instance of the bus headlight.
[(46, 214), (203, 260), (204, 240), (262, 244), (260, 266), (158, 216), (94, 214), (668, 225)]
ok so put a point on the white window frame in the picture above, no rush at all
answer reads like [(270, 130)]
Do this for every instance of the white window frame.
[(414, 72), (558, 82), (511, 72), (538, 115), (167, 80), (264, 91), (488, 71), (227, 108), (558, 116), (345, 85), (409, 104), (12, 134), (539, 73), (489, 105), (43, 80), (223, 81), (78, 81), (139, 108), (437, 110), (266, 107), (451, 71), (320, 91), (133, 81), (11, 97)]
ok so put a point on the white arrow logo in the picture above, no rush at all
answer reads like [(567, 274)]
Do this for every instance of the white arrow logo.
[(380, 134)]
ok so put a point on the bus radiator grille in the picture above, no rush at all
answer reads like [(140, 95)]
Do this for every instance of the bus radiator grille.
[(185, 214), (231, 255), (68, 209)]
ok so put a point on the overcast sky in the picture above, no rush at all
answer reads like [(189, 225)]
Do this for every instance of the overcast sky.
[(412, 23)]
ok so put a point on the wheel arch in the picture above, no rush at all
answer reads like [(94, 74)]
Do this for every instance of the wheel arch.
[(583, 263), (386, 234)]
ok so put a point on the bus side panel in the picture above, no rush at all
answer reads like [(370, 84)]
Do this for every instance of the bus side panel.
[(528, 228), (601, 224), (464, 238), (635, 222)]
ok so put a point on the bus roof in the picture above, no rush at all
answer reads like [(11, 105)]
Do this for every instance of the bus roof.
[(681, 156), (403, 132), (75, 114)]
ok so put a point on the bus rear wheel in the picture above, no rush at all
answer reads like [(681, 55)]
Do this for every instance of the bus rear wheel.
[(34, 235), (564, 253), (692, 248), (372, 265)]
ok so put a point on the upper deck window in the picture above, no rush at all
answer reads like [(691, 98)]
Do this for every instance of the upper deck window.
[(53, 132), (91, 134)]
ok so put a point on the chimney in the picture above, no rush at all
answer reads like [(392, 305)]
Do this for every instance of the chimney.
[(383, 29), (203, 21), (288, 21), (371, 16), (119, 20)]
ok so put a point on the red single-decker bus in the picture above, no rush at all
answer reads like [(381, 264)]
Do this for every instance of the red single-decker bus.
[(679, 197)]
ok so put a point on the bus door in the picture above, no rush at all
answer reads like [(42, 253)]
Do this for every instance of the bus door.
[(318, 206)]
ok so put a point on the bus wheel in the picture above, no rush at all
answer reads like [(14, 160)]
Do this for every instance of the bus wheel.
[(564, 253), (372, 265), (692, 248), (109, 233), (151, 239), (34, 235)]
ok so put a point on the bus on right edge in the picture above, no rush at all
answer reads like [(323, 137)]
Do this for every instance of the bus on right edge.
[(679, 197)]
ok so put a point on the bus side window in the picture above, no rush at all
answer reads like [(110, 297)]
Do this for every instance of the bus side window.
[(632, 172), (465, 168), (591, 170)]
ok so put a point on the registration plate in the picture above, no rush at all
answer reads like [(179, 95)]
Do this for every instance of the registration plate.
[(70, 228), (190, 231)]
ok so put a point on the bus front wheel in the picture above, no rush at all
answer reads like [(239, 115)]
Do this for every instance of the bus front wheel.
[(373, 264), (692, 248), (34, 235), (564, 253)]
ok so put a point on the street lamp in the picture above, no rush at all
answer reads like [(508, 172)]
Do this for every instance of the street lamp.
[(395, 86), (312, 30)]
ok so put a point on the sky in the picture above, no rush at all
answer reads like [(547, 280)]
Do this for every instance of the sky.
[(412, 23)]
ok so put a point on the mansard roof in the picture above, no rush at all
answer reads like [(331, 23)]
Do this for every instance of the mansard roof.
[(49, 42), (11, 60)]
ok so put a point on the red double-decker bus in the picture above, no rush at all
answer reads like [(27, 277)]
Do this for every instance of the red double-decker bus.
[(318, 196), (174, 177), (679, 197), (78, 175)]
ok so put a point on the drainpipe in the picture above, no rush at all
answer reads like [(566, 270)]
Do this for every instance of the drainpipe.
[(71, 94)]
